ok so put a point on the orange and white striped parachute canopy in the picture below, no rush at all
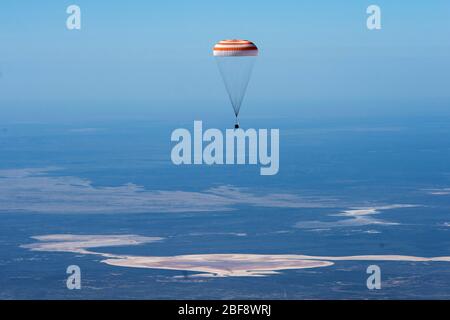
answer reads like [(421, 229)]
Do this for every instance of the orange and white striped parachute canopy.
[(235, 48)]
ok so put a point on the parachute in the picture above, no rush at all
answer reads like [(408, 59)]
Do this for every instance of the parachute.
[(235, 59)]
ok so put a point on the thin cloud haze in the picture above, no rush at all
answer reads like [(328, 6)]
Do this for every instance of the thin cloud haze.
[(34, 190), (355, 217)]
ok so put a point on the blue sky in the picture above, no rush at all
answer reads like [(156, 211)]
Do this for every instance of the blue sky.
[(161, 51)]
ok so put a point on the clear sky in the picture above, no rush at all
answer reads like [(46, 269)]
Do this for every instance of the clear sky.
[(161, 50)]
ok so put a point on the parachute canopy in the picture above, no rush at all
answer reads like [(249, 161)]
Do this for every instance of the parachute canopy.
[(235, 59), (235, 48)]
